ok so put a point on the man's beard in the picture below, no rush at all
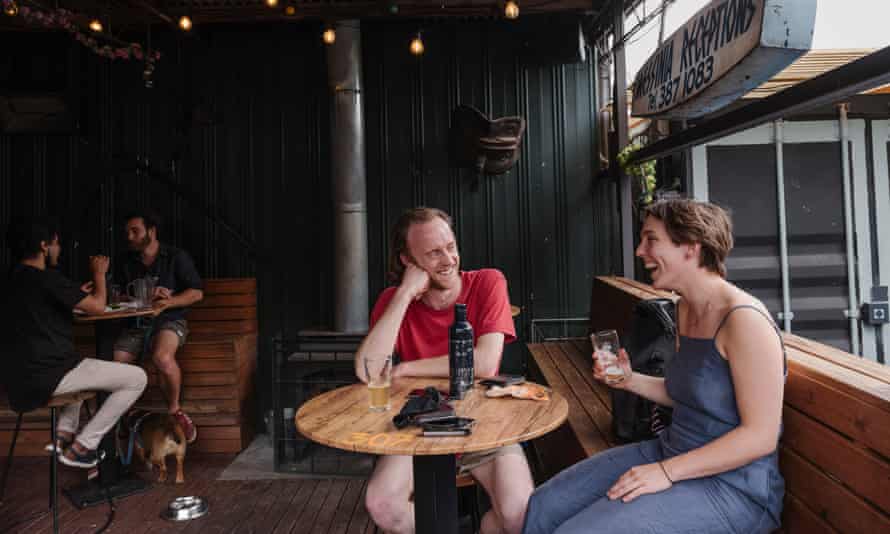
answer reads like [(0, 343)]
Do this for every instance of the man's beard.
[(141, 245), (434, 284)]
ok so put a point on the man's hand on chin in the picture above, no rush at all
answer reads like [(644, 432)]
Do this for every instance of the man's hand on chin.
[(415, 281)]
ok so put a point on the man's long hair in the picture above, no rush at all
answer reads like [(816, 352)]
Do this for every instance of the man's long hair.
[(398, 238)]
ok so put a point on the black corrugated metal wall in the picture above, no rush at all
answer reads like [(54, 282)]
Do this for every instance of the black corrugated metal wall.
[(238, 120)]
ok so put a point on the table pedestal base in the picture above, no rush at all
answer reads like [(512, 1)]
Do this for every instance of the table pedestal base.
[(435, 494), (92, 492)]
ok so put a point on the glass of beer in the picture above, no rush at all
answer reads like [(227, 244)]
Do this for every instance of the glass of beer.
[(378, 372), (605, 350)]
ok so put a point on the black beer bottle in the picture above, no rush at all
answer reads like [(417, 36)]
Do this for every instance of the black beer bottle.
[(460, 353)]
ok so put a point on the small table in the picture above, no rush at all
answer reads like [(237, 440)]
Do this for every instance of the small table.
[(341, 419), (111, 483)]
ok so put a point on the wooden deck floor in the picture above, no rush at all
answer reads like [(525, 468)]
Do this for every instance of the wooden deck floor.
[(256, 506)]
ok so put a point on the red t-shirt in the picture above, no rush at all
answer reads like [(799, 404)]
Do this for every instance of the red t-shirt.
[(424, 331)]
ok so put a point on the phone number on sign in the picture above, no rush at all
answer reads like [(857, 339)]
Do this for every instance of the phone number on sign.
[(692, 80)]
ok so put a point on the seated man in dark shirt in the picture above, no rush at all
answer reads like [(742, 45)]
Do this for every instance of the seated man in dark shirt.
[(178, 286), (38, 355)]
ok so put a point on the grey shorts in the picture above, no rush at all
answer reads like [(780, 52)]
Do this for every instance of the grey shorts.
[(471, 460), (132, 340)]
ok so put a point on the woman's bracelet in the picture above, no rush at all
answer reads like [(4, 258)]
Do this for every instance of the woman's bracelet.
[(666, 475)]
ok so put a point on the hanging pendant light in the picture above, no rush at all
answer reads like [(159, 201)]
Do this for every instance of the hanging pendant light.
[(416, 46), (272, 3), (511, 10), (185, 23), (11, 8), (329, 35)]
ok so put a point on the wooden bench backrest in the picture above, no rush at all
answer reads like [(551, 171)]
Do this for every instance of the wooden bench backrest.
[(228, 307), (835, 447)]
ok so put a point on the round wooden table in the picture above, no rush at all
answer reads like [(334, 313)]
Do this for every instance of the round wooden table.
[(341, 419)]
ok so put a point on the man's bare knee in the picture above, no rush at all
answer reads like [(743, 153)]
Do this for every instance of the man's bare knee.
[(383, 509), (165, 361), (511, 512), (388, 494)]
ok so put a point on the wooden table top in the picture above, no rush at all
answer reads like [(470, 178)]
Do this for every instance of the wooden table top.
[(117, 314), (341, 419)]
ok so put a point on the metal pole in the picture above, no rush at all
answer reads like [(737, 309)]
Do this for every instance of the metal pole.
[(853, 312), (787, 315), (621, 131), (348, 180)]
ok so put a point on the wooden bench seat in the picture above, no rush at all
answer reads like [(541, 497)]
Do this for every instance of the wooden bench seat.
[(218, 364), (835, 447)]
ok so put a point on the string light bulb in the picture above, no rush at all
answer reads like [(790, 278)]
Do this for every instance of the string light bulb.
[(329, 35), (11, 8), (96, 26), (272, 3), (290, 11), (185, 23), (416, 46), (511, 10)]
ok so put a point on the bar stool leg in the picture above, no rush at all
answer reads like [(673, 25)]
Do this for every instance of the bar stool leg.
[(15, 436), (53, 472)]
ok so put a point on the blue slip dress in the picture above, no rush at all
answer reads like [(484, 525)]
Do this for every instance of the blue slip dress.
[(745, 500)]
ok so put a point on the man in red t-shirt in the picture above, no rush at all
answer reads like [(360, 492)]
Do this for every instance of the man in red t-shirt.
[(412, 319)]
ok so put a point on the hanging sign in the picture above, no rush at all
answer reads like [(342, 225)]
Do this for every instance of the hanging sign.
[(726, 49)]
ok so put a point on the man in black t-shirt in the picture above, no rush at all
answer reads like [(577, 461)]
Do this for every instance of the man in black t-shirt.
[(38, 355), (178, 286)]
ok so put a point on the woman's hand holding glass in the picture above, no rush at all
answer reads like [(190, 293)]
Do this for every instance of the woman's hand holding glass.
[(604, 364), (610, 362)]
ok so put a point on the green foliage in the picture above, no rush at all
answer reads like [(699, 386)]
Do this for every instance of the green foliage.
[(643, 174)]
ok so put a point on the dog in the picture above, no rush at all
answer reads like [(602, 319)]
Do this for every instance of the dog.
[(159, 436)]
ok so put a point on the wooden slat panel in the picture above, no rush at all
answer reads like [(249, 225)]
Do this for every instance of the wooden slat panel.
[(798, 519), (223, 327), (222, 301), (588, 400), (217, 445), (839, 357), (219, 432), (581, 356), (592, 441), (216, 417), (221, 314), (828, 498), (200, 379), (861, 387), (838, 409), (865, 473), (196, 393), (199, 345), (192, 407), (218, 286)]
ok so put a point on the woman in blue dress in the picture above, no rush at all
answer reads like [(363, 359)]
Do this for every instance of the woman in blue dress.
[(714, 469)]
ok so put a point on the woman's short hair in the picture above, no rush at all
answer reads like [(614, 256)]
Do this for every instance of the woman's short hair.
[(689, 221), (398, 238)]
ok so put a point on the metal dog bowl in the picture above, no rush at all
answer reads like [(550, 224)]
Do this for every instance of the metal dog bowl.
[(185, 508)]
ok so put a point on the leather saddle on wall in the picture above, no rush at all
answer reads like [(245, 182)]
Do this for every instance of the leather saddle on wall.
[(489, 146)]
